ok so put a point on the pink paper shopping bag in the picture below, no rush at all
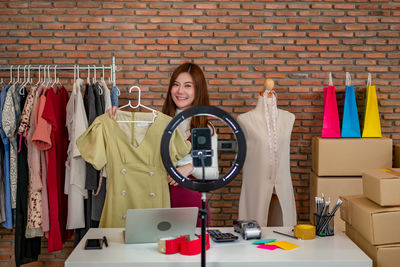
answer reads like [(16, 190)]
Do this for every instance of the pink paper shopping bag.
[(331, 124)]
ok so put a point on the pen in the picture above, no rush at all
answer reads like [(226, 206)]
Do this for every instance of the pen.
[(105, 240), (285, 234)]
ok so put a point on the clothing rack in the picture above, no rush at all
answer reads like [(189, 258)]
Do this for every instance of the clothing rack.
[(111, 67)]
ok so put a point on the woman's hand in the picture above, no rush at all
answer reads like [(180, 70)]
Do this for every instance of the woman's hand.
[(112, 111), (185, 170)]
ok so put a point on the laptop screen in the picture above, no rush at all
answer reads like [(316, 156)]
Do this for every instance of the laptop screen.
[(148, 225)]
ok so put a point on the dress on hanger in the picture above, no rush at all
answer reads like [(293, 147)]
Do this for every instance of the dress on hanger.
[(9, 127), (34, 224), (258, 185), (26, 249), (6, 167), (136, 177), (54, 112), (75, 172), (41, 139)]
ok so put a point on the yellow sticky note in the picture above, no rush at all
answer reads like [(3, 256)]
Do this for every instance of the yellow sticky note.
[(284, 245)]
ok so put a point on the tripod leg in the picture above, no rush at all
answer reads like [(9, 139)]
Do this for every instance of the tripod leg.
[(203, 214)]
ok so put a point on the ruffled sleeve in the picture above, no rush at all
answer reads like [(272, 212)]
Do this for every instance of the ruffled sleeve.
[(91, 145)]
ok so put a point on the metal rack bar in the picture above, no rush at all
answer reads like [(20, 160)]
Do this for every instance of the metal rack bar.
[(111, 67)]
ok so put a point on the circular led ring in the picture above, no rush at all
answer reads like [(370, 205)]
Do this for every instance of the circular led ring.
[(198, 184)]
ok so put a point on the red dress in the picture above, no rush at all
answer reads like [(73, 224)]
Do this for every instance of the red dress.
[(55, 113), (182, 197)]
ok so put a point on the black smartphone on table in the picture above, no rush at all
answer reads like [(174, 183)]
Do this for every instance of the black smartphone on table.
[(95, 243)]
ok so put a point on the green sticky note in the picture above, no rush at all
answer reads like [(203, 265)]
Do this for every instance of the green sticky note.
[(263, 241)]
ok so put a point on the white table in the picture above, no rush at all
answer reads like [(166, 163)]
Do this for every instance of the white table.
[(334, 251)]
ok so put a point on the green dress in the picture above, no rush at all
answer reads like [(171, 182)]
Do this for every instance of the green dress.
[(136, 177)]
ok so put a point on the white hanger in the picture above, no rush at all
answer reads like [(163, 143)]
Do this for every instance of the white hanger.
[(138, 106), (94, 76), (11, 74), (17, 81), (348, 79), (110, 77), (102, 77), (26, 80), (44, 75), (48, 76), (44, 81), (95, 81), (55, 76), (369, 82), (40, 66), (330, 79), (88, 74)]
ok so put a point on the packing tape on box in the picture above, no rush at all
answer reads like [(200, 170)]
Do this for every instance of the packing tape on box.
[(391, 171), (304, 231), (170, 245)]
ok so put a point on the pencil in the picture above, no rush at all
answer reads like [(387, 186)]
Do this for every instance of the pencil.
[(285, 234)]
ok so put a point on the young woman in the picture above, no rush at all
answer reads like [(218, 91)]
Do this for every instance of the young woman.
[(188, 88)]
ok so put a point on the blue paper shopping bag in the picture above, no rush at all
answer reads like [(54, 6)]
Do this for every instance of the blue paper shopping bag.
[(350, 122)]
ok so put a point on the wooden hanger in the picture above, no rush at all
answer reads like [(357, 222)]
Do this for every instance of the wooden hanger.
[(268, 86)]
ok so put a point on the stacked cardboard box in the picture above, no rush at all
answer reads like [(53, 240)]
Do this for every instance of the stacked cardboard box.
[(396, 156), (373, 219), (337, 165), (375, 229)]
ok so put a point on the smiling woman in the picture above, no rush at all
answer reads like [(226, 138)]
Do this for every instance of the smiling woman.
[(188, 88), (182, 91)]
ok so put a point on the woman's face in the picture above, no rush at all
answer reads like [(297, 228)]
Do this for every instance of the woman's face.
[(183, 91)]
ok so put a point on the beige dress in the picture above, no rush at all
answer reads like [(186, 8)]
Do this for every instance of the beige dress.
[(136, 177), (258, 185), (75, 166)]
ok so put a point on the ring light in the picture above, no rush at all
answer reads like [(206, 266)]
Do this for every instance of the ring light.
[(203, 185)]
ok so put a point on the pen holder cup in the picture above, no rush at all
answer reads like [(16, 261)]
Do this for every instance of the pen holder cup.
[(324, 224)]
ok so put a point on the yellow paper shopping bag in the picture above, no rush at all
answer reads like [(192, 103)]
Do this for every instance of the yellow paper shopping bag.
[(372, 122)]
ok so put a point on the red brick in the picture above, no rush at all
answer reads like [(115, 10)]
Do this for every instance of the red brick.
[(275, 6), (53, 26)]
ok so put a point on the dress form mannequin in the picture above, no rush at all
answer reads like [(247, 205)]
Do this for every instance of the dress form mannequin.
[(267, 166)]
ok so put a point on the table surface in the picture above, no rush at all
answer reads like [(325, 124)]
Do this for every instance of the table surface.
[(334, 251)]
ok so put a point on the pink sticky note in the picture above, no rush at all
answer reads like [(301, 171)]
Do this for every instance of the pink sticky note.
[(269, 247)]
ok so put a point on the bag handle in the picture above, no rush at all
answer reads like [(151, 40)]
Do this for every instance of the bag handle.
[(330, 79), (369, 80), (348, 79)]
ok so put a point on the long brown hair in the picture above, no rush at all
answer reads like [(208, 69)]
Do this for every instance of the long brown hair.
[(201, 94)]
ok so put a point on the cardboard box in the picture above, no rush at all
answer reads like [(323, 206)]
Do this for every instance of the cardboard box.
[(350, 156), (396, 163), (379, 225), (382, 256), (333, 187), (382, 186)]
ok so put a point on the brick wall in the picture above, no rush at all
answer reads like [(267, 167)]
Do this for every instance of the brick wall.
[(238, 44)]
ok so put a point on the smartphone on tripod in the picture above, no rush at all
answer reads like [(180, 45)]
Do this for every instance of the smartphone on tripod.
[(201, 143)]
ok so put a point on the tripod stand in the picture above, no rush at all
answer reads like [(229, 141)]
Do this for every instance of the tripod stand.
[(202, 154)]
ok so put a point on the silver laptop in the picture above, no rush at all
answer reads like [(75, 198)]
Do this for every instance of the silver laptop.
[(148, 225)]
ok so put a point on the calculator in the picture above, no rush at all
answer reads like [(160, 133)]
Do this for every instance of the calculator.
[(217, 236)]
